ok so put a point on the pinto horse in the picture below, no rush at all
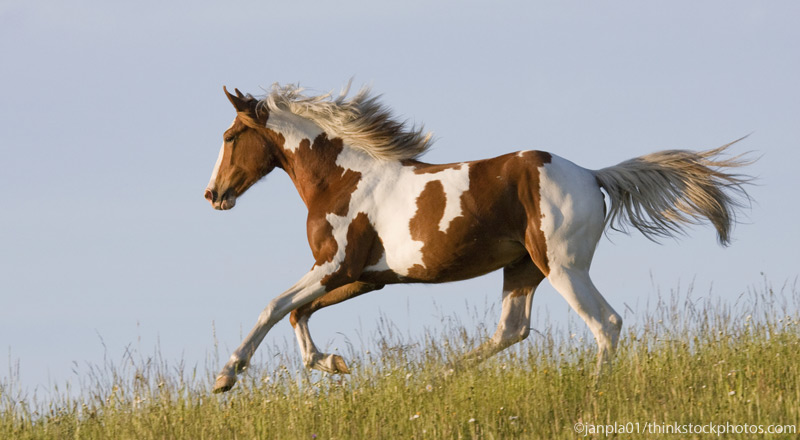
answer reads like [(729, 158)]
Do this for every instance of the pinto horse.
[(377, 215)]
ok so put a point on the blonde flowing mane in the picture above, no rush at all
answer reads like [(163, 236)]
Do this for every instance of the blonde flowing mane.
[(361, 121)]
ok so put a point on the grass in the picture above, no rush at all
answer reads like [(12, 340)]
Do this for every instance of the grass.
[(688, 361)]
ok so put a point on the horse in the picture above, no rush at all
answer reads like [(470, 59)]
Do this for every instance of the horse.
[(378, 215)]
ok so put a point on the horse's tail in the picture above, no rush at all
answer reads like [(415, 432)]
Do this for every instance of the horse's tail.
[(660, 193)]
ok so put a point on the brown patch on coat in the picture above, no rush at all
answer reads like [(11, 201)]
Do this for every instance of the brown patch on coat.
[(360, 249), (500, 221), (529, 192), (425, 224), (320, 239), (431, 201), (335, 296), (323, 185)]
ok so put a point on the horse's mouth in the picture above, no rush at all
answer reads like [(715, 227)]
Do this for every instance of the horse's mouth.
[(225, 204)]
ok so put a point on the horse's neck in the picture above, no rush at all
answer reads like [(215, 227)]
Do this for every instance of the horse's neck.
[(293, 128), (322, 169)]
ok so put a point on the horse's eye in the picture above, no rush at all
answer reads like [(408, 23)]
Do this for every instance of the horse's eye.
[(230, 138)]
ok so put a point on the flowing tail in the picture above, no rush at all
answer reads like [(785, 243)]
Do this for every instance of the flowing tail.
[(660, 193)]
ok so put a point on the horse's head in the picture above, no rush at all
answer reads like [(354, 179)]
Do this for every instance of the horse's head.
[(249, 152)]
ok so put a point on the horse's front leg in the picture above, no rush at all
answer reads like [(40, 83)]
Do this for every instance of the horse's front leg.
[(312, 286), (312, 357)]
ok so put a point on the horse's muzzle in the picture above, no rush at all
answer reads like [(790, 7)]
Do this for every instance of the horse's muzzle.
[(227, 201)]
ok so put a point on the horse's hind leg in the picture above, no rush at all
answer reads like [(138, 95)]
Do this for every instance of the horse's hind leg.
[(572, 217), (519, 283), (312, 357), (577, 288)]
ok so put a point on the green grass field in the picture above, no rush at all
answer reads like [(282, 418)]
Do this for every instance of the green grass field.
[(691, 368)]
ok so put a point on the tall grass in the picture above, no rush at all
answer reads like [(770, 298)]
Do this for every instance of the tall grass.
[(686, 361)]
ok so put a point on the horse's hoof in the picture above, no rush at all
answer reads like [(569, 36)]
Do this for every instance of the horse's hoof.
[(223, 384), (339, 366)]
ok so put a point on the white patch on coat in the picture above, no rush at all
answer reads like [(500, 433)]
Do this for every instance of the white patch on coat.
[(572, 210), (455, 182), (387, 193), (293, 128)]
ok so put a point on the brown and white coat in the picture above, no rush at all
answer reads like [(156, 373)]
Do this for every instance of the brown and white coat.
[(377, 215)]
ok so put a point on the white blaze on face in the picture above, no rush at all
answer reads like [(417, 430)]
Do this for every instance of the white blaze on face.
[(387, 193), (214, 173), (213, 180)]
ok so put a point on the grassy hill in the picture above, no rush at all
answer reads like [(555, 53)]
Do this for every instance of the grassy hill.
[(689, 369)]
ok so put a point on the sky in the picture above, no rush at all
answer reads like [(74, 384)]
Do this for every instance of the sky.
[(112, 116)]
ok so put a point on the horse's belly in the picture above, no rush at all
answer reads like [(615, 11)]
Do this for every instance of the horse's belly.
[(440, 261)]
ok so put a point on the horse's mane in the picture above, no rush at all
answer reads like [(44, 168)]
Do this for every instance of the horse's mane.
[(361, 121)]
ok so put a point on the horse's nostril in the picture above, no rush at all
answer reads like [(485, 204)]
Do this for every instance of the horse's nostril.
[(211, 195)]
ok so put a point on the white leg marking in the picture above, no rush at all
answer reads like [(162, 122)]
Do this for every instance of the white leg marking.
[(572, 221), (513, 327), (307, 346), (515, 318), (312, 357), (307, 289), (577, 288)]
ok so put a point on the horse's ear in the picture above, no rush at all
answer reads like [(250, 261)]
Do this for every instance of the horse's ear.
[(247, 106), (239, 101)]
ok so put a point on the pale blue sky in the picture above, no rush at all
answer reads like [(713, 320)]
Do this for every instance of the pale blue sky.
[(112, 115)]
